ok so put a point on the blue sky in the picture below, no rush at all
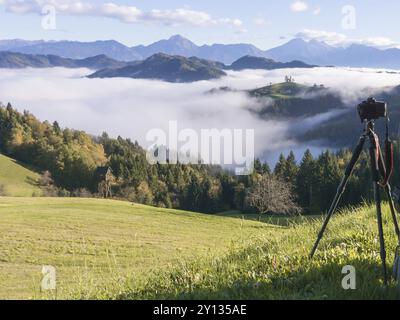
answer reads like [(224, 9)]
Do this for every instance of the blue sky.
[(265, 23)]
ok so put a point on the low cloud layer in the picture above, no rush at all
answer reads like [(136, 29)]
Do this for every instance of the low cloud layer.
[(131, 108)]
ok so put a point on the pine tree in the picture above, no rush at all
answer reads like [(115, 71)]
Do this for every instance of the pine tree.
[(258, 166), (266, 169), (291, 169), (305, 182), (330, 175), (280, 167)]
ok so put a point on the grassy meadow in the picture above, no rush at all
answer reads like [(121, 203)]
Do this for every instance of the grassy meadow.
[(277, 266), (17, 180), (105, 249), (98, 244)]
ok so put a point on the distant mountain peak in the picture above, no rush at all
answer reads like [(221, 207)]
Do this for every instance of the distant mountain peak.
[(176, 40), (297, 40), (178, 37)]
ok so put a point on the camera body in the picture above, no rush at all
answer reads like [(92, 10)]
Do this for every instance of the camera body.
[(372, 110)]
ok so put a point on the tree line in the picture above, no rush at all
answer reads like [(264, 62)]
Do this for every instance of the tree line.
[(70, 159)]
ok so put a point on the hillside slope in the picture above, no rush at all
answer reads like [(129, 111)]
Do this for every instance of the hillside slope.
[(100, 244), (16, 180)]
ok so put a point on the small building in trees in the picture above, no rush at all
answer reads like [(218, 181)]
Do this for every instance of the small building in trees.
[(289, 79), (104, 179)]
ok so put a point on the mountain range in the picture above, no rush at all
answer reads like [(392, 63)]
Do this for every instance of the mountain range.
[(311, 52), (320, 53), (171, 68), (176, 45)]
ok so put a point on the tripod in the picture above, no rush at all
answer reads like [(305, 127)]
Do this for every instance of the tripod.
[(379, 169)]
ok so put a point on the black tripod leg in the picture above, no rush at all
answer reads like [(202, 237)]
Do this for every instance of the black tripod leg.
[(393, 211), (380, 229), (377, 193), (388, 191), (340, 191)]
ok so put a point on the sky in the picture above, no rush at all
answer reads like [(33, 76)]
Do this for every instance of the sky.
[(264, 23)]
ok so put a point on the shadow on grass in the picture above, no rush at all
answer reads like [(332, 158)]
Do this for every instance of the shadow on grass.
[(28, 180), (24, 165), (278, 220), (271, 221), (309, 282)]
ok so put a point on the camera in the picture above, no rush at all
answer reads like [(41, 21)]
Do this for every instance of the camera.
[(372, 109)]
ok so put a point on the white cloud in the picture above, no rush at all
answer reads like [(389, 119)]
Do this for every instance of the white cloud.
[(260, 21), (110, 10), (339, 39), (332, 38), (299, 6), (130, 107), (241, 31), (380, 42), (233, 22), (123, 13), (317, 11)]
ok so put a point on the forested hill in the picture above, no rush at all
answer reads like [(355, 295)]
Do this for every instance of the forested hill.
[(73, 157), (292, 100), (167, 68), (251, 62)]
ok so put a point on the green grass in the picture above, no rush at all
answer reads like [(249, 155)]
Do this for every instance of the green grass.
[(277, 266), (18, 180), (106, 249), (97, 244)]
